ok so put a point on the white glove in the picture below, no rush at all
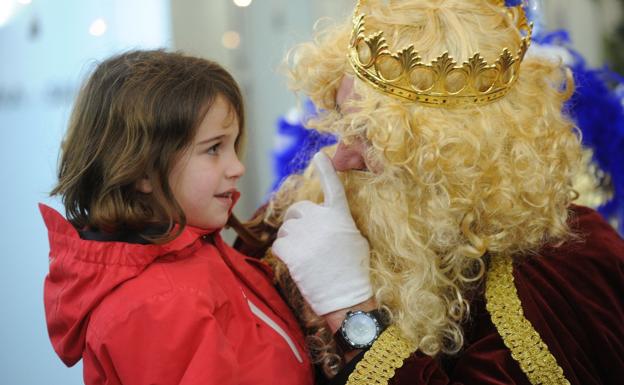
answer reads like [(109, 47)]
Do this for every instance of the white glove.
[(325, 253)]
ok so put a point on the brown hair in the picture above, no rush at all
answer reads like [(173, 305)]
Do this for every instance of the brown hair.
[(133, 116)]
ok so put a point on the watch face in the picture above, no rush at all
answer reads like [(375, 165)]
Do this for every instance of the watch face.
[(360, 329)]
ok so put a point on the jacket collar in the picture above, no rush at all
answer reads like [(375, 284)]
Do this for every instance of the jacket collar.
[(65, 239)]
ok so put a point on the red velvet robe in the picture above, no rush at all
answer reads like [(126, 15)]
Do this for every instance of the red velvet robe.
[(573, 295)]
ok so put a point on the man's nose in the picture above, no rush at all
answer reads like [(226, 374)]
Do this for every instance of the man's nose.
[(350, 156)]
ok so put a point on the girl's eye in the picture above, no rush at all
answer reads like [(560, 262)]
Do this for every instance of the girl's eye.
[(213, 150)]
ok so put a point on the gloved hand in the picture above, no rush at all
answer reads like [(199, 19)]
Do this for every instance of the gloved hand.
[(325, 253)]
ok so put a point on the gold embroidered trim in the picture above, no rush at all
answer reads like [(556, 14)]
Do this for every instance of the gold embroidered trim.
[(520, 337), (382, 359)]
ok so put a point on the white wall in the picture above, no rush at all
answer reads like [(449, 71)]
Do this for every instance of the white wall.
[(587, 21), (46, 50)]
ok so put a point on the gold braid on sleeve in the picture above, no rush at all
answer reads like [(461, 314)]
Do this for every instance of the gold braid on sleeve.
[(382, 359), (518, 334)]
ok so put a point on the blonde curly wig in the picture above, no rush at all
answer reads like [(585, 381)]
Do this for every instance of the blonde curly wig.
[(458, 184)]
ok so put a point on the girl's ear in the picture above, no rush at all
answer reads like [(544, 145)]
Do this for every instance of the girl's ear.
[(143, 185)]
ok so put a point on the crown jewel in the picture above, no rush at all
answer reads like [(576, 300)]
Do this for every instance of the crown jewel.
[(403, 74)]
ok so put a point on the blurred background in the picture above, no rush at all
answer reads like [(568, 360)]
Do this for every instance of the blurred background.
[(48, 47)]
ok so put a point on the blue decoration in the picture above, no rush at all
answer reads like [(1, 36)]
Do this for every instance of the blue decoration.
[(295, 144), (597, 107)]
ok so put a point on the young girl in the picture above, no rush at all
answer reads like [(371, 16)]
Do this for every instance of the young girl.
[(141, 285)]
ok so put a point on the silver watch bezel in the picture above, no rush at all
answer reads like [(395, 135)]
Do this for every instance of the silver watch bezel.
[(345, 322)]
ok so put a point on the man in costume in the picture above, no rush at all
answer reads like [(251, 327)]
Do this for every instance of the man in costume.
[(466, 261)]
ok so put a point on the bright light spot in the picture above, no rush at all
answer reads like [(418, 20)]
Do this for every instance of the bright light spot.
[(24, 2), (242, 3), (7, 8), (98, 27), (231, 40)]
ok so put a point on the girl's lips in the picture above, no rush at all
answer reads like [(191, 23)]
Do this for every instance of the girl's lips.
[(226, 198), (227, 194), (225, 201)]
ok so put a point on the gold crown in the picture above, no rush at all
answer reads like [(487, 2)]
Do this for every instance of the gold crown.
[(482, 82)]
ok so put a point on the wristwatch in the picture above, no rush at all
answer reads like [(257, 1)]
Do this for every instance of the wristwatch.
[(359, 330)]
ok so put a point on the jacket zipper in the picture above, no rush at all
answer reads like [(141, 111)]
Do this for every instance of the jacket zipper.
[(273, 325)]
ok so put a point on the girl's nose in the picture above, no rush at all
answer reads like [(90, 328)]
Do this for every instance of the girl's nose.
[(236, 170), (350, 156)]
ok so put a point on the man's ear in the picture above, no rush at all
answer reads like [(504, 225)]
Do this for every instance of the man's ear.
[(143, 185)]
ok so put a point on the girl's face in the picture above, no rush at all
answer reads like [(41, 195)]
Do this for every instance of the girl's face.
[(203, 178)]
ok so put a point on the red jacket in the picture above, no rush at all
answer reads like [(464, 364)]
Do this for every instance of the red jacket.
[(192, 311)]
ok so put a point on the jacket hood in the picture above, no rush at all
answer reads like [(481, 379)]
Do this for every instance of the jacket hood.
[(83, 272)]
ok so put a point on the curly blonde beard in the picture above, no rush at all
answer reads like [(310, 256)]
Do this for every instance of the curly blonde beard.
[(428, 253)]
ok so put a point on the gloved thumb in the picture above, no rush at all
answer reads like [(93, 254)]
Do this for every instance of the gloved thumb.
[(332, 186)]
